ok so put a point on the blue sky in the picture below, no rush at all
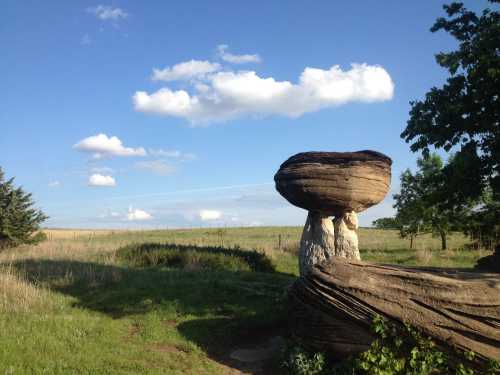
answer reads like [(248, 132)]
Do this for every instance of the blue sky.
[(178, 114)]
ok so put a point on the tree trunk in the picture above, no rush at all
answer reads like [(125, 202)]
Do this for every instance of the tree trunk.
[(411, 241), (332, 307), (317, 242), (443, 240)]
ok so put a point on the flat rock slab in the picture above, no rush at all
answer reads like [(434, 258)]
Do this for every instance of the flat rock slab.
[(335, 181)]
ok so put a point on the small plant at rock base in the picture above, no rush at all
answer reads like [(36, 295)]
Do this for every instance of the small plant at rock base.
[(397, 350), (298, 361), (400, 350)]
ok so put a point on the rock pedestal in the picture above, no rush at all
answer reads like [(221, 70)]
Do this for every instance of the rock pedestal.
[(346, 235), (338, 184), (317, 241)]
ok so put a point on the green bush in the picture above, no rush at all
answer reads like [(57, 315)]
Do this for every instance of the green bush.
[(194, 257), (396, 351), (298, 361)]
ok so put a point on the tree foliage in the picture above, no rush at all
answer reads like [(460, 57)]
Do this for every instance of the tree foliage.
[(19, 220), (386, 223), (464, 114), (424, 203)]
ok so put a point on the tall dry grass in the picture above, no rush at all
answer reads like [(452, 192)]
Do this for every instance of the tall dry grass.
[(18, 295)]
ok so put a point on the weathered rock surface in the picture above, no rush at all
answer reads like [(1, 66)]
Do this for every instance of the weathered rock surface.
[(333, 305), (317, 242), (334, 182), (346, 236)]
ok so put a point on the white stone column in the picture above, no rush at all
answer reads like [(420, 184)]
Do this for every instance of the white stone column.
[(317, 242), (346, 235)]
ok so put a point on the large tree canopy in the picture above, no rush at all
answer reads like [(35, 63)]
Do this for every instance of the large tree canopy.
[(464, 114)]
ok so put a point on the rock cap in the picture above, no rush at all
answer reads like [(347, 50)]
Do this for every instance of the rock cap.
[(334, 182)]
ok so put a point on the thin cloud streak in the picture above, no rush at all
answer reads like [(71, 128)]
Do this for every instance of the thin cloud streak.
[(186, 191)]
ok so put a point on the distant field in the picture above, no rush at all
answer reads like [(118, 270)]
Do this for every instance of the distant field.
[(70, 305), (256, 237)]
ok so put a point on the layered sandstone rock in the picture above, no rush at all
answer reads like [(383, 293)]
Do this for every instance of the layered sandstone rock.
[(333, 306), (335, 182), (330, 184)]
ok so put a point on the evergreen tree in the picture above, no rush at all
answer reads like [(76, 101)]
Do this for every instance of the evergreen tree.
[(19, 220)]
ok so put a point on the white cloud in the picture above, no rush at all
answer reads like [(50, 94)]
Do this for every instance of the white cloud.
[(207, 215), (54, 184), (185, 71), (101, 180), (105, 12), (159, 167), (236, 59), (101, 146), (138, 215), (228, 94)]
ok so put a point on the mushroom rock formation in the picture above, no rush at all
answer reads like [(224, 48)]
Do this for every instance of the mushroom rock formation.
[(329, 184)]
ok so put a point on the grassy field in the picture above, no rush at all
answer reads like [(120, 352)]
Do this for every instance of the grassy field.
[(72, 305)]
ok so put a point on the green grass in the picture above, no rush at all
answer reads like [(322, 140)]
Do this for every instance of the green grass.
[(78, 306), (189, 257)]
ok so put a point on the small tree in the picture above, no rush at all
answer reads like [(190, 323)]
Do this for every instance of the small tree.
[(426, 205), (409, 206), (18, 219)]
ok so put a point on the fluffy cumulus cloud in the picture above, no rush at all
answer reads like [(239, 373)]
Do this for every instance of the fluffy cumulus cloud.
[(101, 180), (185, 71), (105, 13), (208, 215), (227, 94), (134, 214), (159, 167), (103, 146), (236, 59)]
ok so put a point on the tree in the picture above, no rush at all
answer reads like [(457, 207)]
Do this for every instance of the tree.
[(19, 221), (424, 205), (386, 223), (464, 114), (409, 207)]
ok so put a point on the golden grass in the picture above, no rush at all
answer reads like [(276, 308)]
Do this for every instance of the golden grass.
[(75, 233), (18, 295)]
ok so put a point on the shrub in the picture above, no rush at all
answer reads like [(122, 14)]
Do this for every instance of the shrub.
[(19, 221), (194, 257), (299, 362), (396, 351)]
